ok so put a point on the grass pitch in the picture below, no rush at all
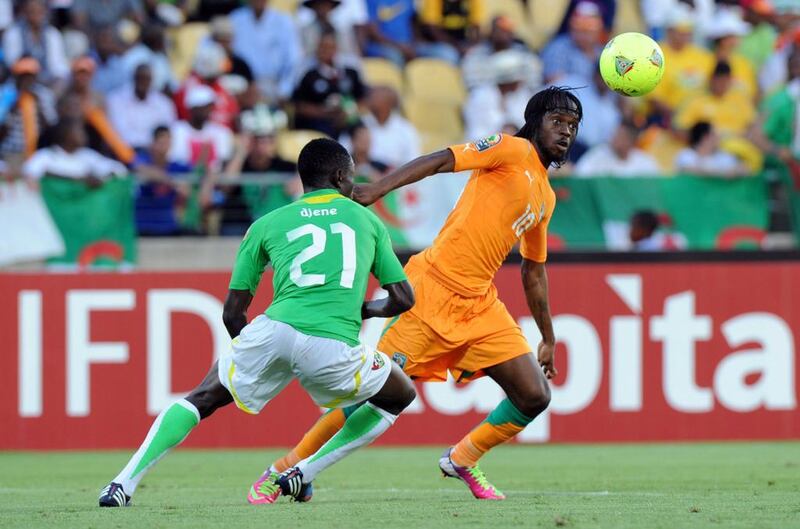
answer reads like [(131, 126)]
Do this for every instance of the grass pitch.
[(732, 485)]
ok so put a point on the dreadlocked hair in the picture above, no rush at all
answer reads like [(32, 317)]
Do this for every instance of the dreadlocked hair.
[(552, 98)]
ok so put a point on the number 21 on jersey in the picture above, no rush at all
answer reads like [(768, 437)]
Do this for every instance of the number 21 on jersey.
[(319, 238)]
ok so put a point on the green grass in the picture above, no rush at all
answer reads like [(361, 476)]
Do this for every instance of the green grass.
[(599, 486)]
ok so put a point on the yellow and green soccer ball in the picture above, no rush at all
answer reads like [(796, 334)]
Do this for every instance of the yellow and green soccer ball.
[(632, 64)]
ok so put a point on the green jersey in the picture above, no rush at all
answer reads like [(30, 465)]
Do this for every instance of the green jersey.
[(322, 249)]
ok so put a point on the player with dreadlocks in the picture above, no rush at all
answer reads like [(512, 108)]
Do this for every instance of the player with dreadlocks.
[(458, 323)]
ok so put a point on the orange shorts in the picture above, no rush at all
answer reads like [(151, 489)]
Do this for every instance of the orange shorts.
[(449, 332)]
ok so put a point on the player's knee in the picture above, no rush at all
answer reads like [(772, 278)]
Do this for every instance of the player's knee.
[(533, 400), (207, 400), (408, 395)]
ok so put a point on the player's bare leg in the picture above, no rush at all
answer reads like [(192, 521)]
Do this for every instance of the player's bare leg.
[(527, 395), (169, 429), (363, 426)]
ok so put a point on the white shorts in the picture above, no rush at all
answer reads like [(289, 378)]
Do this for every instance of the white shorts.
[(268, 354)]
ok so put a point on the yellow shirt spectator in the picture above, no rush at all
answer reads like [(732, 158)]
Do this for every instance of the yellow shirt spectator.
[(725, 32), (728, 110), (686, 72), (453, 16), (744, 76)]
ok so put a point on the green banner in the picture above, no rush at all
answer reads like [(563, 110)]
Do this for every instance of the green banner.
[(701, 213), (97, 224)]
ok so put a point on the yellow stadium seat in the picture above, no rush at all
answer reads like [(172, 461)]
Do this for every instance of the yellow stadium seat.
[(288, 6), (185, 40), (515, 11), (435, 80), (380, 72), (661, 145), (545, 17), (432, 141), (435, 117), (291, 142), (628, 17)]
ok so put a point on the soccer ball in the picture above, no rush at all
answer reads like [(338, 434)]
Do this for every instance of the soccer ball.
[(632, 64)]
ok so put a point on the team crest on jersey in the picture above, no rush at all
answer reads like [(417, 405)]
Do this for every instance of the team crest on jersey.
[(377, 361), (399, 359), (488, 142)]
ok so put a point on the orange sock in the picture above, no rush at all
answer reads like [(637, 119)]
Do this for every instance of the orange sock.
[(325, 428), (502, 424)]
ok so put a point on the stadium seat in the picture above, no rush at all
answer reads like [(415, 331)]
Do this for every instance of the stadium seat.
[(288, 6), (291, 142), (435, 80), (434, 117), (661, 145), (628, 17), (545, 17), (185, 40), (514, 10), (432, 141), (381, 72)]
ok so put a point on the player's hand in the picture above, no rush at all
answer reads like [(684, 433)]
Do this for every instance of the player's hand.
[(366, 194), (547, 357)]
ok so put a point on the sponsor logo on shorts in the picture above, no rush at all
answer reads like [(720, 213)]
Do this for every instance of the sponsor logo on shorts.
[(486, 143), (377, 361), (399, 359)]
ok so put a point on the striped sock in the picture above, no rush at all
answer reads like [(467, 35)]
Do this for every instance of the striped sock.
[(502, 424), (168, 430), (319, 434), (365, 425)]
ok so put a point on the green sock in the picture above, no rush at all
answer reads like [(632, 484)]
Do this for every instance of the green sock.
[(170, 428), (362, 427)]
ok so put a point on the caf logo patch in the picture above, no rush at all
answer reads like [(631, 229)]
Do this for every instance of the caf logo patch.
[(399, 359), (486, 143), (377, 361)]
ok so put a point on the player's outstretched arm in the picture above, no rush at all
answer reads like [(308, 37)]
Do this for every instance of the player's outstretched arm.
[(534, 281), (430, 164), (401, 299), (234, 312)]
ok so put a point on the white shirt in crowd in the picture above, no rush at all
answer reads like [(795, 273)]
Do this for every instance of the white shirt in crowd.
[(158, 62), (135, 119), (719, 162), (78, 164), (487, 111), (6, 13), (343, 18), (57, 63), (188, 144), (603, 161), (394, 142)]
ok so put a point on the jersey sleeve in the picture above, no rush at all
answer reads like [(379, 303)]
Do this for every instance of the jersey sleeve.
[(490, 152), (533, 245), (386, 267), (251, 259)]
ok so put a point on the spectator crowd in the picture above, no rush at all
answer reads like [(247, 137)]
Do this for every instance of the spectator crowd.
[(202, 99)]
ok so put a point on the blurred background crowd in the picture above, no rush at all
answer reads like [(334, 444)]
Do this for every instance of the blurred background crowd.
[(204, 104)]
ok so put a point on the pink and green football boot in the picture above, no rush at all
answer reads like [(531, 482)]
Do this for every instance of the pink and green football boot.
[(474, 477), (264, 490), (271, 485)]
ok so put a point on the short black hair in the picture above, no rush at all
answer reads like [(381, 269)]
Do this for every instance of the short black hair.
[(550, 99), (722, 68), (647, 219), (319, 160), (698, 131), (159, 130)]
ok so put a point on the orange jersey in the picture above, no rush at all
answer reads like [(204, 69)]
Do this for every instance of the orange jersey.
[(507, 199)]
